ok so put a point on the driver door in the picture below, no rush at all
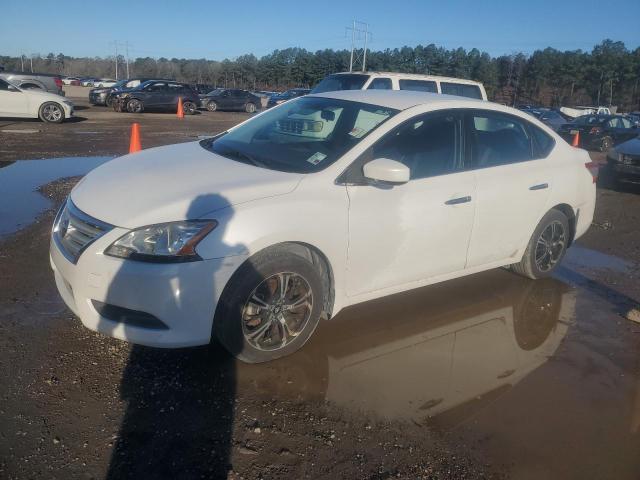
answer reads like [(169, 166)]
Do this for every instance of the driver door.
[(13, 103), (418, 230)]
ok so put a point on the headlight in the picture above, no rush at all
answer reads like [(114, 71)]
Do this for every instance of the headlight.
[(68, 103), (165, 242)]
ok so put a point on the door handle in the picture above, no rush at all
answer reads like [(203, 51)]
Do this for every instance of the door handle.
[(457, 201), (540, 186)]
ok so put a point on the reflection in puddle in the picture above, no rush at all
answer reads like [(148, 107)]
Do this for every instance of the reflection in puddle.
[(444, 348), (20, 202)]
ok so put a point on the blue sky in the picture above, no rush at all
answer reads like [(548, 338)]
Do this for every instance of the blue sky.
[(217, 30)]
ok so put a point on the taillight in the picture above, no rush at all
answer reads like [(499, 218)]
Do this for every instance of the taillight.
[(595, 131), (593, 168), (58, 81)]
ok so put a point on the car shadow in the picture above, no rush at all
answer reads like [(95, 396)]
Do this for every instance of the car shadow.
[(179, 412)]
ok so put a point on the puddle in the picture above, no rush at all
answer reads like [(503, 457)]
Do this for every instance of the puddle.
[(20, 202), (584, 258)]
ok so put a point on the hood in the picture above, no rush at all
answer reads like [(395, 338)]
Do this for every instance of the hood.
[(176, 182), (631, 147)]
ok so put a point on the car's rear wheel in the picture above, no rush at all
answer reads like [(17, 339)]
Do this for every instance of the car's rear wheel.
[(212, 106), (250, 107), (51, 112), (135, 106), (270, 308), (189, 108), (546, 248)]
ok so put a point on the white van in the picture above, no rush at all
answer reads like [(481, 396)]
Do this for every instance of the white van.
[(401, 81)]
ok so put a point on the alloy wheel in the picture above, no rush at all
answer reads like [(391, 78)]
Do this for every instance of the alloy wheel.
[(277, 311), (550, 246), (52, 113)]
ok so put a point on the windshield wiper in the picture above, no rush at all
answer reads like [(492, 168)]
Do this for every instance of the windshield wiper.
[(244, 157)]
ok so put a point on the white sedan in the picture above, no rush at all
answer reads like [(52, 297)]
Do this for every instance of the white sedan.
[(32, 103), (323, 202), (104, 83)]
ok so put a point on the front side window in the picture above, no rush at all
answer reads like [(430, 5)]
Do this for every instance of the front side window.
[(334, 83), (155, 87), (4, 85), (625, 123), (380, 84), (304, 135), (418, 85), (461, 90), (497, 139)]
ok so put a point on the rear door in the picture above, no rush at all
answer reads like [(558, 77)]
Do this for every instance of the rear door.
[(513, 184)]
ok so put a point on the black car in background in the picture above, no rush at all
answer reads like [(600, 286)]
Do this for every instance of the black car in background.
[(230, 99), (623, 161), (104, 95), (156, 95), (202, 88), (288, 95), (551, 118), (599, 132)]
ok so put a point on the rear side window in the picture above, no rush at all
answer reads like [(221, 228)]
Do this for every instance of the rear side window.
[(498, 139), (461, 90), (418, 85), (380, 84), (349, 81), (543, 142)]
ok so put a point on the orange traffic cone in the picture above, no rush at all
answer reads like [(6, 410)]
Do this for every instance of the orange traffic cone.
[(180, 110), (134, 143), (576, 139)]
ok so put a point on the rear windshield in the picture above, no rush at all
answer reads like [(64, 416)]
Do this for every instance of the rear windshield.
[(333, 83), (461, 90)]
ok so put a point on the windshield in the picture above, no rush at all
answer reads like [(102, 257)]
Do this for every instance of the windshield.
[(589, 120), (120, 83), (333, 83), (216, 91), (304, 135)]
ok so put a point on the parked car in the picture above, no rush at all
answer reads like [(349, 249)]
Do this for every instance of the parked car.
[(105, 82), (279, 98), (33, 103), (623, 161), (599, 132), (548, 116), (104, 96), (202, 88), (230, 99), (89, 82), (401, 81), (156, 95), (71, 81), (34, 81), (326, 201), (634, 117)]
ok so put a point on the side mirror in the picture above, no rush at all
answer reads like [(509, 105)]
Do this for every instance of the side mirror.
[(386, 170)]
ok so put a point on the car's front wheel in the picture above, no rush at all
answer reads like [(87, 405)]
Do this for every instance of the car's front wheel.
[(135, 106), (250, 107), (270, 308), (51, 112), (546, 248), (606, 144), (189, 108)]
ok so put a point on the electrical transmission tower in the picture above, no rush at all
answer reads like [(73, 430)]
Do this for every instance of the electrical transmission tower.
[(360, 34), (126, 46)]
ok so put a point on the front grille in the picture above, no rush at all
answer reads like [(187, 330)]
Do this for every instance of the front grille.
[(74, 231)]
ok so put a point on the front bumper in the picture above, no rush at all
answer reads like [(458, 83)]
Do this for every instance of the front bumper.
[(622, 170), (98, 98), (183, 296)]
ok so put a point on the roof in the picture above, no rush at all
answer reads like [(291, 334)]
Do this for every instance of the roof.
[(416, 76), (402, 99)]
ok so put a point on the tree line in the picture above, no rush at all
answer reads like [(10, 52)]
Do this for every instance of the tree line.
[(607, 75)]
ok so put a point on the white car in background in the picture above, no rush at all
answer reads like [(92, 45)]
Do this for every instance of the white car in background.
[(104, 83), (258, 233), (18, 102)]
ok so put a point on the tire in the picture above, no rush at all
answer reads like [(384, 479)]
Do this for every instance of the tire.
[(189, 108), (109, 102), (250, 107), (135, 106), (606, 144), (51, 112), (240, 318), (212, 106), (536, 262)]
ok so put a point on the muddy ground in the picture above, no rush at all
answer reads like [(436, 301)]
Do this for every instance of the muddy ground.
[(490, 376)]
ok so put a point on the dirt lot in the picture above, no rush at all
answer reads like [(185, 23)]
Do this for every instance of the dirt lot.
[(491, 376)]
